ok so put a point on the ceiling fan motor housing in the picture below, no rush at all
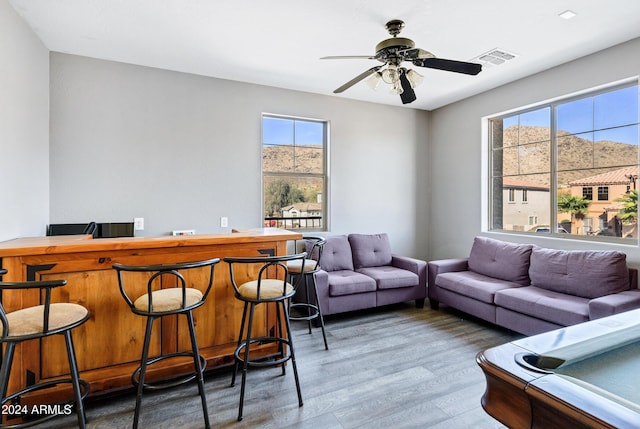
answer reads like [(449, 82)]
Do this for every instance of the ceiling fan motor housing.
[(391, 48)]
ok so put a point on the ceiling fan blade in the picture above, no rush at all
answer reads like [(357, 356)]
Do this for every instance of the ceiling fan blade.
[(408, 94), (357, 79), (349, 57), (449, 65)]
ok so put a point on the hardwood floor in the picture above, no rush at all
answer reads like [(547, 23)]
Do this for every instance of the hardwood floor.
[(395, 367)]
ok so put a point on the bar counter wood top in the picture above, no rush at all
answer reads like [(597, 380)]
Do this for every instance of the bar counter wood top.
[(109, 345)]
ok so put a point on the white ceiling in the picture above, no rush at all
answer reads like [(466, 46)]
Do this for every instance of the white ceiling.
[(279, 42)]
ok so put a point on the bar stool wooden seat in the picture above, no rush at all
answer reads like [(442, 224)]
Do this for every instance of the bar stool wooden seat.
[(35, 323), (307, 307), (271, 284), (167, 293)]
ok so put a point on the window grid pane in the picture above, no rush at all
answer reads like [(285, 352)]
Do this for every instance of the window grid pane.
[(595, 140)]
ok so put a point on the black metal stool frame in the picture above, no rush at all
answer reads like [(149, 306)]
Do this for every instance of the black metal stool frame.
[(138, 376), (313, 310), (80, 387), (282, 313)]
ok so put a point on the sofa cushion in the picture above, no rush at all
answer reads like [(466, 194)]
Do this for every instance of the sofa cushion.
[(501, 260), (473, 285), (347, 282), (336, 254), (388, 277), (370, 250), (545, 304), (583, 273)]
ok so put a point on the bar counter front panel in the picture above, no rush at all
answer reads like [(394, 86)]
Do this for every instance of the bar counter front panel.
[(109, 344)]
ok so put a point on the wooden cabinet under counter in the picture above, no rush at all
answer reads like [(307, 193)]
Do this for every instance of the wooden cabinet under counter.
[(109, 345)]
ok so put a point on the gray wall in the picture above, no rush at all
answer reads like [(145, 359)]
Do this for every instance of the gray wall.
[(182, 150), (24, 128), (455, 144)]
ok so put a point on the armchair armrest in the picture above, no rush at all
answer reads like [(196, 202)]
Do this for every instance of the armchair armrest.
[(438, 267), (614, 303)]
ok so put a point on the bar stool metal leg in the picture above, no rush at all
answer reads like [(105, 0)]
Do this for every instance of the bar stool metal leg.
[(291, 351), (315, 294), (75, 380), (240, 338), (143, 371), (245, 363), (199, 369)]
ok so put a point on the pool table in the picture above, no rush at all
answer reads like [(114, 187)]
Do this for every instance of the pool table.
[(581, 376)]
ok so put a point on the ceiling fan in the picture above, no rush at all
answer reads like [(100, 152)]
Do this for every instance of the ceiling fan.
[(392, 53)]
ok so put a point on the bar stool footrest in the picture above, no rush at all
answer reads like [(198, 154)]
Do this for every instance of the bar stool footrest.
[(264, 361), (313, 311), (32, 421), (173, 382)]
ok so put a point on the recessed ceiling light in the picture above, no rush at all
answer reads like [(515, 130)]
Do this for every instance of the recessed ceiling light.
[(567, 14)]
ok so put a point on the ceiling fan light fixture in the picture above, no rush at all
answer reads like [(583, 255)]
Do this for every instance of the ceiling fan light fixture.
[(374, 80), (396, 88), (391, 74), (414, 78)]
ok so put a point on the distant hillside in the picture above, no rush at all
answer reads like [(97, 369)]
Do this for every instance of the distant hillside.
[(307, 160), (573, 153)]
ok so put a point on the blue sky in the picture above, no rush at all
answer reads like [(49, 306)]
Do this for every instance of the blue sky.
[(613, 114), (283, 131)]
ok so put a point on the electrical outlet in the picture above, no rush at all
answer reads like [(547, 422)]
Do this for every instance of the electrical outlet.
[(138, 223), (224, 222)]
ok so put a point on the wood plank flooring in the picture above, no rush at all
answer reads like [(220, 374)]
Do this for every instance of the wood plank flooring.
[(394, 367)]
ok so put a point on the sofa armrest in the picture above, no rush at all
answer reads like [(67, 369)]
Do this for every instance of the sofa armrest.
[(416, 266), (615, 303), (439, 267), (446, 266)]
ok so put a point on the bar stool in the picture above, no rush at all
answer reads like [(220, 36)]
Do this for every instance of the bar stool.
[(36, 323), (271, 286), (177, 298), (307, 309)]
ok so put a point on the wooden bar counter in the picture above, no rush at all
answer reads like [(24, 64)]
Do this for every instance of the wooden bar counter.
[(109, 345)]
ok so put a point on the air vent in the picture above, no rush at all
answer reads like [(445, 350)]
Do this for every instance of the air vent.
[(494, 57)]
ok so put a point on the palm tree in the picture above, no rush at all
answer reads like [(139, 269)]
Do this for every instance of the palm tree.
[(629, 213), (578, 207)]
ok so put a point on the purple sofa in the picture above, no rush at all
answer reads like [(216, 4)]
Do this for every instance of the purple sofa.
[(359, 271), (531, 289)]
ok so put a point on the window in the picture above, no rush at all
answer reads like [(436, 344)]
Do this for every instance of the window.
[(560, 151), (603, 193), (524, 196), (294, 172), (512, 195)]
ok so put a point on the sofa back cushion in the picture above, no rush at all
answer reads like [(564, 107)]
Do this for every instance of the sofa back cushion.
[(370, 250), (336, 254), (501, 260), (583, 273)]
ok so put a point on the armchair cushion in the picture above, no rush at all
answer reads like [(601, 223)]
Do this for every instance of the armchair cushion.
[(370, 250)]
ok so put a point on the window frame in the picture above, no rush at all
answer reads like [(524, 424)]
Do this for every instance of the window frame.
[(489, 204), (324, 175), (603, 193)]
